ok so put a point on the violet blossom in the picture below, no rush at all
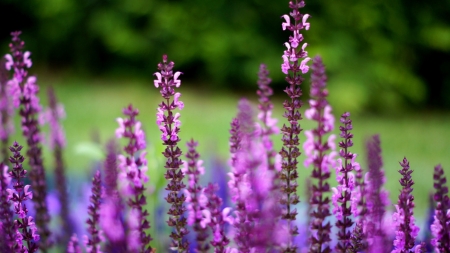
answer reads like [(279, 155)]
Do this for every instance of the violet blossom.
[(24, 90), (406, 230), (26, 229), (7, 228), (441, 224), (194, 168), (294, 65), (57, 142), (133, 168), (93, 243), (169, 125), (342, 194), (6, 111), (111, 210), (73, 245), (377, 199), (252, 186), (320, 152), (215, 218), (268, 125)]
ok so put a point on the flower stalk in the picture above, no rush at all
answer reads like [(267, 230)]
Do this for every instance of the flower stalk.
[(342, 194), (193, 168), (294, 65), (320, 153), (133, 168), (169, 125), (24, 90), (406, 230), (26, 230)]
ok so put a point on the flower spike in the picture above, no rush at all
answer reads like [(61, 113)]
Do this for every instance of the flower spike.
[(169, 125), (290, 151)]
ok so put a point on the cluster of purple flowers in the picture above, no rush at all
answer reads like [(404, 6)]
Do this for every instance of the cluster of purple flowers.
[(262, 185)]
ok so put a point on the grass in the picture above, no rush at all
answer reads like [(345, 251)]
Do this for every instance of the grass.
[(93, 107)]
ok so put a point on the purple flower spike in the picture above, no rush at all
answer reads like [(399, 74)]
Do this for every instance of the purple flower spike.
[(265, 106), (169, 124), (441, 225), (406, 230), (6, 112), (133, 168), (53, 115), (215, 218), (320, 152), (377, 199), (73, 245), (342, 194), (23, 90), (26, 228), (112, 209), (194, 169), (93, 243), (294, 65), (7, 233)]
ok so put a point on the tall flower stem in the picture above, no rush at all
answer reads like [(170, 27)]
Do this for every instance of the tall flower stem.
[(441, 225), (169, 124), (134, 168), (265, 107), (406, 230), (6, 112), (377, 198), (93, 243), (26, 228), (7, 227), (293, 66), (316, 150), (24, 93), (194, 169), (342, 194), (58, 142)]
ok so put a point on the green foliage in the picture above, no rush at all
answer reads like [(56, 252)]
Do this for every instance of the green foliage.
[(389, 53)]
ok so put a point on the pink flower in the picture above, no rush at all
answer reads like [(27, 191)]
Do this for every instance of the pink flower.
[(178, 103), (176, 81), (27, 60), (158, 81), (9, 62), (284, 25), (305, 24), (285, 66), (303, 67)]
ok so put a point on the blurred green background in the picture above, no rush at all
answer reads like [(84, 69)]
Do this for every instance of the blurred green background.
[(388, 63)]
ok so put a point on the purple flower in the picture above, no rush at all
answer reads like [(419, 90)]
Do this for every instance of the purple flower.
[(252, 185), (6, 111), (7, 238), (169, 125), (215, 218), (406, 230), (342, 194), (290, 151), (73, 246), (93, 244), (268, 125), (26, 228), (57, 142), (195, 204), (24, 91), (320, 152), (133, 169), (376, 198), (441, 225)]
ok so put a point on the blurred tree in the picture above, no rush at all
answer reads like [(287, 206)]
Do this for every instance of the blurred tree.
[(388, 53)]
